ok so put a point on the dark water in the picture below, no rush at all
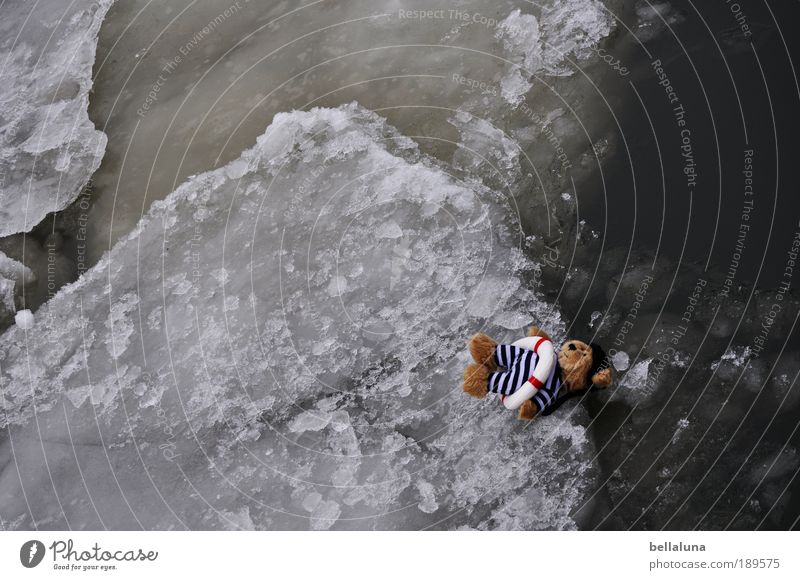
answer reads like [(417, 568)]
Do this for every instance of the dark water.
[(739, 93), (733, 463)]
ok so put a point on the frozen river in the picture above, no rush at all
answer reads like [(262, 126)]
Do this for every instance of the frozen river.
[(252, 303)]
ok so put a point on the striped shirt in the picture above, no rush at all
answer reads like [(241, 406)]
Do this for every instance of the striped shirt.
[(520, 364)]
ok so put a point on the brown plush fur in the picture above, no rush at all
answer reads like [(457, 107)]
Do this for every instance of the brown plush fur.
[(575, 364), (527, 411), (603, 378), (476, 379), (574, 358), (481, 347)]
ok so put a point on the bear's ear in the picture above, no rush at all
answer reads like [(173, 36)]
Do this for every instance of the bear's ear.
[(536, 331), (603, 378)]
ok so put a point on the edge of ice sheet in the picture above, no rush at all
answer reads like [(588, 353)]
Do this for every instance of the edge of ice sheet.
[(49, 148)]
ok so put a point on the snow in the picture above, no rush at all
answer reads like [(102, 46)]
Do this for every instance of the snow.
[(300, 408), (48, 146)]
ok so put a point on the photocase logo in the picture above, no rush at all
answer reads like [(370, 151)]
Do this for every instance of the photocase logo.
[(31, 553)]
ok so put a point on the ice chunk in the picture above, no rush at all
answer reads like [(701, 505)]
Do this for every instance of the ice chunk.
[(427, 494), (514, 86), (353, 397), (522, 39), (24, 319), (680, 428), (325, 515), (14, 276), (482, 142), (309, 421), (389, 230), (512, 320), (48, 146), (7, 305), (311, 501), (553, 44), (493, 292), (570, 30), (15, 271), (621, 360), (732, 361), (636, 386), (337, 286), (239, 520)]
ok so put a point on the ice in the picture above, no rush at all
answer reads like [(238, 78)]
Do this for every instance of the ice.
[(311, 501), (552, 44), (621, 360), (24, 319), (15, 271), (512, 320), (7, 305), (520, 35), (427, 494), (483, 145), (389, 230), (229, 104), (732, 361), (237, 521), (571, 29), (679, 428), (493, 291), (635, 385), (48, 146), (514, 86), (325, 515), (299, 408), (309, 421), (13, 278)]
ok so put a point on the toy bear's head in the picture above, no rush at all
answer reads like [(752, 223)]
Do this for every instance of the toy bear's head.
[(583, 366)]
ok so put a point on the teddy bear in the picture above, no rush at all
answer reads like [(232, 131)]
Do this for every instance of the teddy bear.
[(529, 374)]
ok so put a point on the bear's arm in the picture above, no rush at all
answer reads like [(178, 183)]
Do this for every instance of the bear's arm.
[(544, 366), (529, 342)]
